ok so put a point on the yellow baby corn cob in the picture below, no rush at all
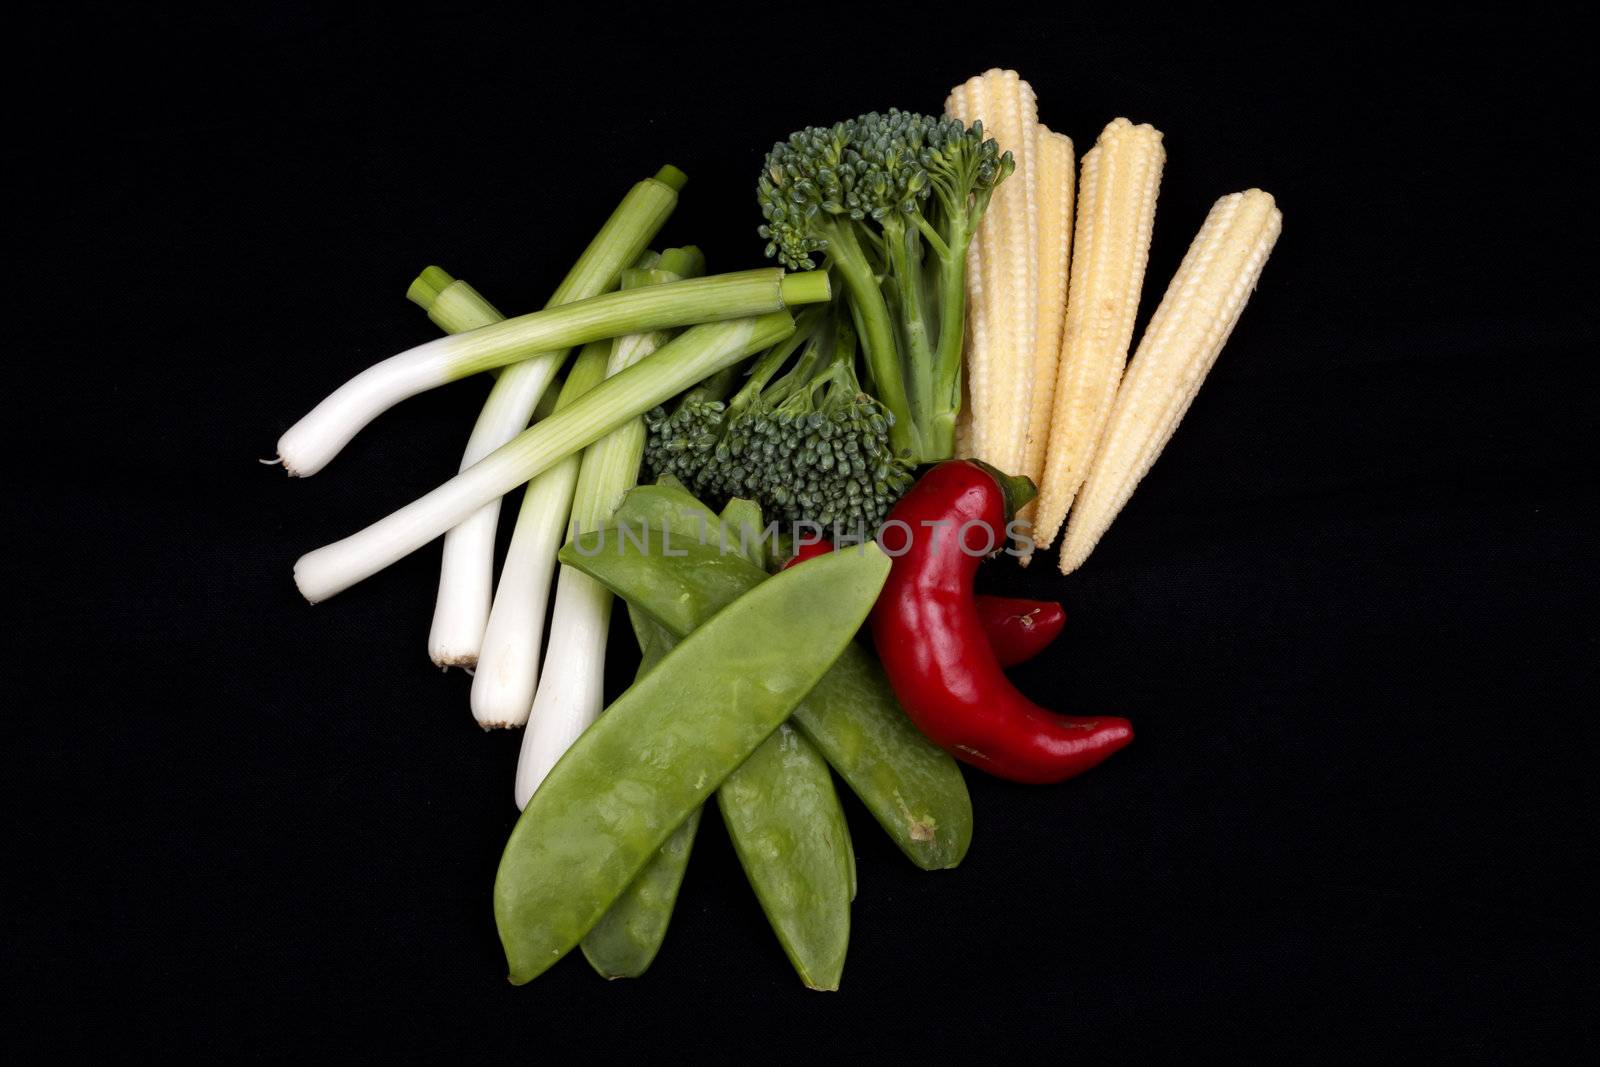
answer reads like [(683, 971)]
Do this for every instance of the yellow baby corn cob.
[(1053, 175), (1001, 267), (1116, 213), (1196, 315)]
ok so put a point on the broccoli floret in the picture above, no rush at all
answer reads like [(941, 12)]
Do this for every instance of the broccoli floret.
[(810, 445), (891, 201)]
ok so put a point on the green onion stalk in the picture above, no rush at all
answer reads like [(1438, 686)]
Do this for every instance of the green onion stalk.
[(695, 354), (569, 695), (310, 443), (466, 571)]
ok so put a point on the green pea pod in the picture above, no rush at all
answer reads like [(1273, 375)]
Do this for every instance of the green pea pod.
[(850, 854), (644, 629), (742, 519), (913, 789), (786, 824), (669, 506), (625, 941), (741, 528), (663, 746)]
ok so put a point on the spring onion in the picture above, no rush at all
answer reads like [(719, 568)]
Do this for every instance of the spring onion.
[(570, 696), (310, 443), (466, 572), (693, 355), (466, 577), (502, 687)]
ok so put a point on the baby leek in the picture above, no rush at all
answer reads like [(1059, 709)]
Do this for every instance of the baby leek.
[(310, 443), (569, 695), (693, 355), (502, 688), (466, 572)]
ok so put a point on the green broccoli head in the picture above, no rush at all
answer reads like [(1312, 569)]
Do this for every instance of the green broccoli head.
[(962, 164), (874, 169), (807, 445), (892, 199)]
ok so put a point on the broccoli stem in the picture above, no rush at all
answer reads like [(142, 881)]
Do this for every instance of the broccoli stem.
[(877, 330), (939, 429), (770, 362), (715, 387), (904, 246), (798, 376)]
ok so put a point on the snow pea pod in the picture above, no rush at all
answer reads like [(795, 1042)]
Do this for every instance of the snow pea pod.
[(625, 941), (662, 748), (671, 507), (741, 528), (666, 505), (787, 827), (913, 789)]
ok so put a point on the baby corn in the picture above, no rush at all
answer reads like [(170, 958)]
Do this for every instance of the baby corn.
[(1001, 268), (1179, 346), (1054, 171), (1116, 213)]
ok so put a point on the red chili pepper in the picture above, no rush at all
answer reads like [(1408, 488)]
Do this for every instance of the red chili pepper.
[(1017, 629), (808, 550), (929, 636)]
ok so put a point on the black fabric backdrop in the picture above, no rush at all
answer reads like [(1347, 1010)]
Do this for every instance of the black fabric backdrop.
[(1351, 611)]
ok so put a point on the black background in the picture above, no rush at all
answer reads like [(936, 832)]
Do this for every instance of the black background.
[(1351, 612)]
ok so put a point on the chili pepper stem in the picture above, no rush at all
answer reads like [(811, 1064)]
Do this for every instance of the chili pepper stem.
[(1019, 489)]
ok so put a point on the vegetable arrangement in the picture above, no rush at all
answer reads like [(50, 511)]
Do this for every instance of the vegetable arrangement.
[(946, 339)]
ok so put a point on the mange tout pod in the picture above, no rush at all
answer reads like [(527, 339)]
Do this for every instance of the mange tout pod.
[(664, 746), (788, 829), (914, 790)]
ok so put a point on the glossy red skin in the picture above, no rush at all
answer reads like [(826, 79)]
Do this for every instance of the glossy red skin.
[(929, 637), (1017, 629), (808, 550)]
